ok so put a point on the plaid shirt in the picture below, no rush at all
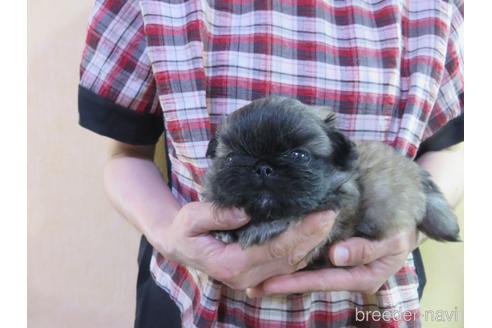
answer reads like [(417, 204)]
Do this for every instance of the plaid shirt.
[(391, 69)]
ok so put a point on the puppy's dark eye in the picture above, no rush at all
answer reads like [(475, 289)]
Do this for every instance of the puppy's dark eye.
[(229, 158), (299, 155)]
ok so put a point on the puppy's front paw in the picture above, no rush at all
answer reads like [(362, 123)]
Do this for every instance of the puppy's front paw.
[(227, 237)]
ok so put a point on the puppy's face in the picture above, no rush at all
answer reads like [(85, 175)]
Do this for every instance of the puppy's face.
[(276, 159)]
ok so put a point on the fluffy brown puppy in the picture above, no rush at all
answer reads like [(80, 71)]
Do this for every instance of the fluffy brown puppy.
[(278, 160)]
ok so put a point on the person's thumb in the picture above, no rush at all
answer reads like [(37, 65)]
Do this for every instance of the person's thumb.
[(357, 251), (207, 218)]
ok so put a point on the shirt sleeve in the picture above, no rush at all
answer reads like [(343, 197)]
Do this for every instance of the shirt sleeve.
[(117, 91), (450, 98), (451, 134)]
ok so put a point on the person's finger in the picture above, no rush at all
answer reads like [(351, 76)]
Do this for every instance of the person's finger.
[(203, 217), (254, 292), (259, 273), (301, 238), (357, 251), (355, 279), (250, 264), (295, 243), (316, 227)]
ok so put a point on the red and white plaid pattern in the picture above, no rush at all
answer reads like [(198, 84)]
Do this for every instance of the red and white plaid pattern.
[(391, 69)]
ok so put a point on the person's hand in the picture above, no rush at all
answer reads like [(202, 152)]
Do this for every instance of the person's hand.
[(188, 242), (366, 265)]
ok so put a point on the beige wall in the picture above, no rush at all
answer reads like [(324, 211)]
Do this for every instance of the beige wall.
[(81, 253), (444, 267)]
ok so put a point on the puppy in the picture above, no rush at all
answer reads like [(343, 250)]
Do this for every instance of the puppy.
[(279, 161)]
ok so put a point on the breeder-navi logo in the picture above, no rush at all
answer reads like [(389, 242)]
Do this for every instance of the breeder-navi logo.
[(396, 315)]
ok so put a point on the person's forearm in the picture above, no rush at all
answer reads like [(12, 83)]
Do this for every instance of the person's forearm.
[(138, 191), (446, 169)]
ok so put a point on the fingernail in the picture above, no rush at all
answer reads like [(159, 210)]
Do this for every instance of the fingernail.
[(341, 255), (253, 292)]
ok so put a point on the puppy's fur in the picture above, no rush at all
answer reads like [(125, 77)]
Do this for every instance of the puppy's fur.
[(278, 160)]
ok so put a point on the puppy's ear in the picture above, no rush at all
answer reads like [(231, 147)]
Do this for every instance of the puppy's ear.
[(212, 146), (326, 114), (344, 154), (329, 120)]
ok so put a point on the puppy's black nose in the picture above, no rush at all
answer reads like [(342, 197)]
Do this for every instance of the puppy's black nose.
[(263, 170)]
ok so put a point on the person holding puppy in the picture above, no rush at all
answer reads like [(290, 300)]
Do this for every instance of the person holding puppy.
[(392, 71)]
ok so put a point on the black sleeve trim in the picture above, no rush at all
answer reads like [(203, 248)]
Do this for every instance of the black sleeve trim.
[(106, 118), (451, 134)]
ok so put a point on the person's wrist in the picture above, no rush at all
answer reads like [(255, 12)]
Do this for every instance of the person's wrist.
[(160, 237)]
